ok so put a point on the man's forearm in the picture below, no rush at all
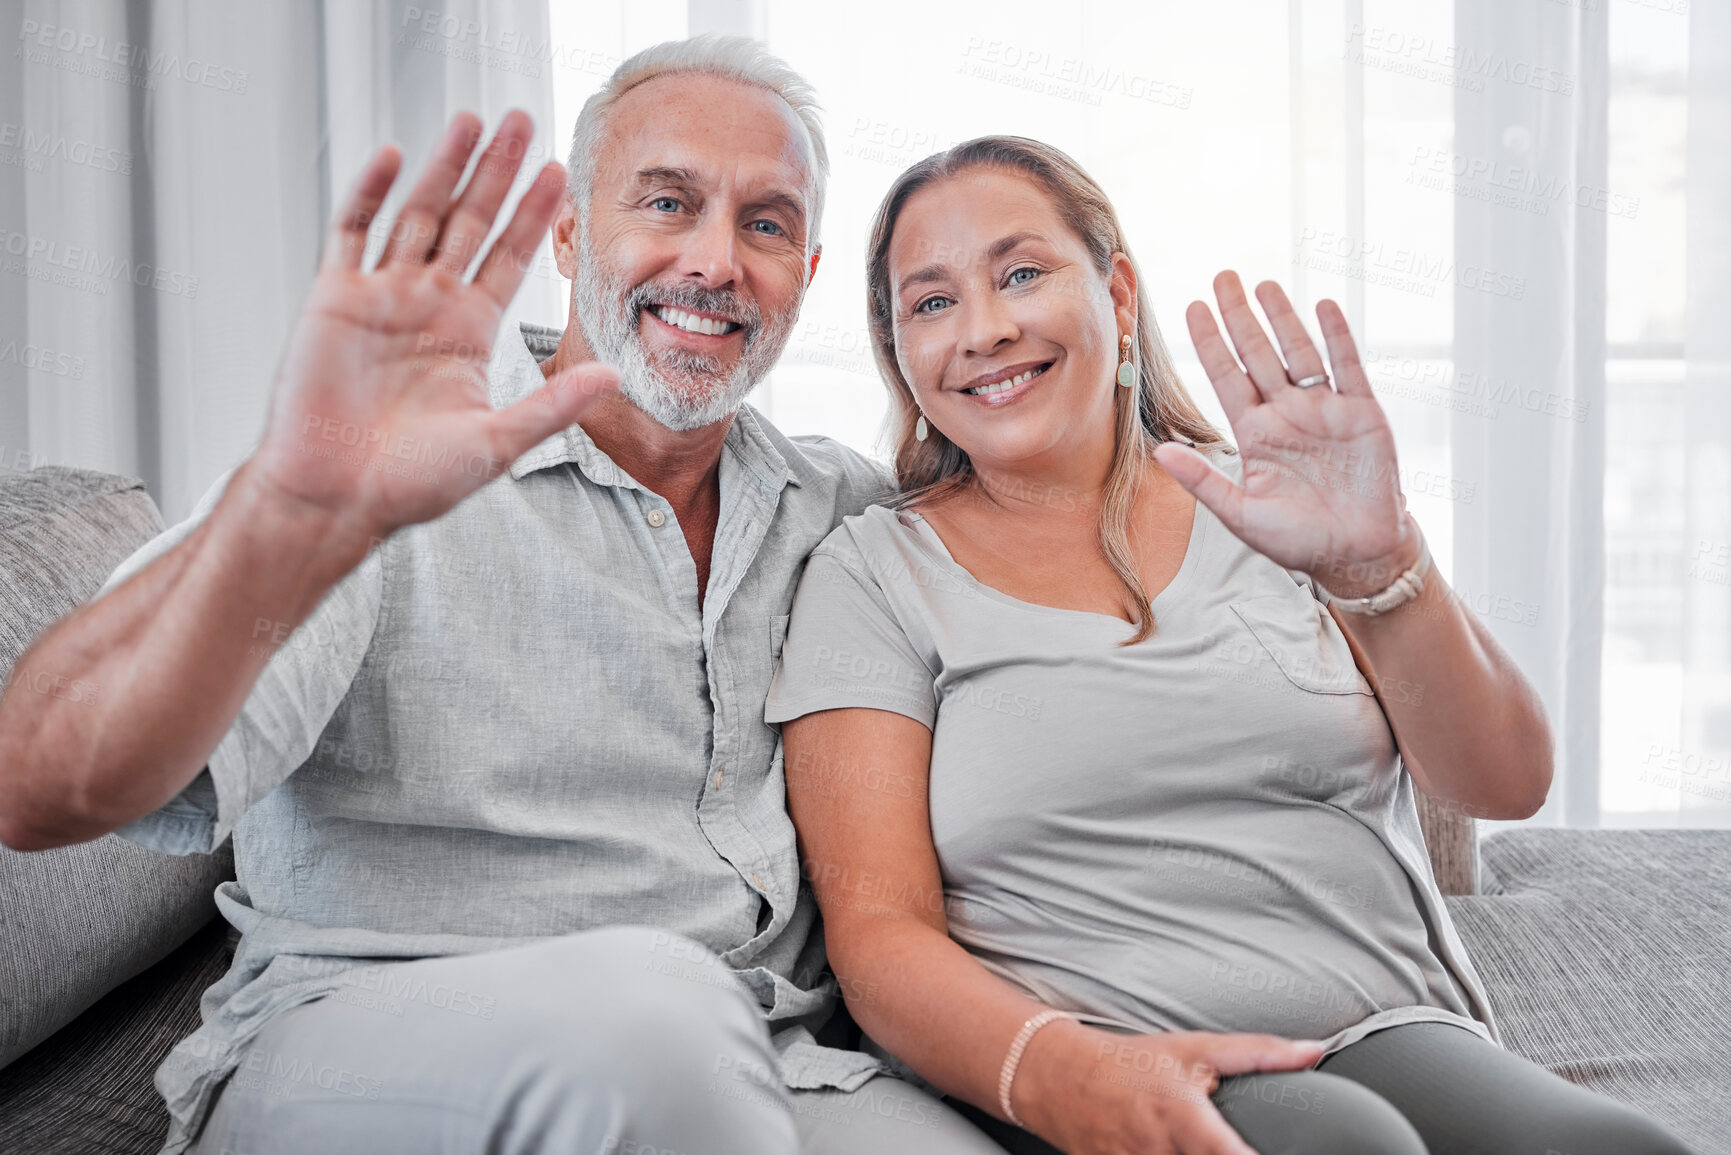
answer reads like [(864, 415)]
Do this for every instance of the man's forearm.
[(163, 665)]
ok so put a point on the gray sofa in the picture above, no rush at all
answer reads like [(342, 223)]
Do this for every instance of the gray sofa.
[(1607, 953)]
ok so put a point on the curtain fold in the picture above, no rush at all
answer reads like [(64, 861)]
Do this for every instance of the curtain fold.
[(1529, 170), (1703, 764)]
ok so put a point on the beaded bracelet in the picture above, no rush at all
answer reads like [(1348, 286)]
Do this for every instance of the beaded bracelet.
[(1402, 590), (1007, 1076)]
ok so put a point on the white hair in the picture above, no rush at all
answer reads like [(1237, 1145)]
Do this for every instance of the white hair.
[(734, 57)]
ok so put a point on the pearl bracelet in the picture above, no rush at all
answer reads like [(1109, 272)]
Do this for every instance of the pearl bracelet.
[(1013, 1059)]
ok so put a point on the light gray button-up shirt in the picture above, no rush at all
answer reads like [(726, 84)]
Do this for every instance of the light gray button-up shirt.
[(515, 722)]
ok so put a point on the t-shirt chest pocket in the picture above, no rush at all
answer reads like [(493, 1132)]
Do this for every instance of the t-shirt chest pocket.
[(1303, 642)]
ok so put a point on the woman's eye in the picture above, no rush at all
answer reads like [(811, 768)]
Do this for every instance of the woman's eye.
[(932, 305), (665, 204), (1016, 277)]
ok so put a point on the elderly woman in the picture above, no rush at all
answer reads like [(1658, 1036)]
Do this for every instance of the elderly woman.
[(1102, 744)]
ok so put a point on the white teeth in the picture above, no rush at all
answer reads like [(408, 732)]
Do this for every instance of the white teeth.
[(691, 322), (1002, 386)]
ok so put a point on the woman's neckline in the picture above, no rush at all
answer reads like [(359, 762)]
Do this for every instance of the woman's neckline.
[(1164, 600)]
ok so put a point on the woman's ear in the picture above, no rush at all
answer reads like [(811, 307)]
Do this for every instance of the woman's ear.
[(1122, 285)]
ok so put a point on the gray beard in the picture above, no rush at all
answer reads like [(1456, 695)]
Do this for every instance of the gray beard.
[(688, 390)]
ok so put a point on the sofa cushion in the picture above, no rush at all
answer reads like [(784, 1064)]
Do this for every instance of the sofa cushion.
[(77, 921), (88, 1089), (1604, 954)]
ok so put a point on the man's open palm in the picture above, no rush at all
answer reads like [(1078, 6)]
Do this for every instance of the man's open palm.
[(381, 415)]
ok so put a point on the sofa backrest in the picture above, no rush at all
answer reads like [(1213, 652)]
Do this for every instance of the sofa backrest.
[(77, 921)]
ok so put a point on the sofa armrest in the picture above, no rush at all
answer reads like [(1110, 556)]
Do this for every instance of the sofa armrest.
[(1452, 839)]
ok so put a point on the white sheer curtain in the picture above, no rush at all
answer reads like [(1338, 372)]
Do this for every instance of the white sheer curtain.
[(1496, 192), (1526, 209), (1703, 765), (1528, 167), (166, 169)]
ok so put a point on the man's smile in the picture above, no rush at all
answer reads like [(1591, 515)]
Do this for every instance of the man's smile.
[(693, 324)]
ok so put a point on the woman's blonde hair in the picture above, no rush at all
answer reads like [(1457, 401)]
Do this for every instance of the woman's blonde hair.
[(1158, 408)]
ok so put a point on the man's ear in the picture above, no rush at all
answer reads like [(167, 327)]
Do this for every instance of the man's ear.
[(565, 240), (811, 272)]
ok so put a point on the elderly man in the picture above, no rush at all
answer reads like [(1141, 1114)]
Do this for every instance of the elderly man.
[(514, 872)]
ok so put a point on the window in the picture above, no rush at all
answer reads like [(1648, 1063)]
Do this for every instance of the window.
[(1313, 142)]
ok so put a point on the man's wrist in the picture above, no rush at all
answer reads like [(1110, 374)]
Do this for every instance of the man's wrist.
[(298, 531)]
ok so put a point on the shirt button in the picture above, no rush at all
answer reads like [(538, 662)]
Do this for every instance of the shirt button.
[(718, 780), (757, 880), (655, 517)]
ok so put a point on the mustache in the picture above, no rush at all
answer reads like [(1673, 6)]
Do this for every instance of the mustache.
[(724, 303)]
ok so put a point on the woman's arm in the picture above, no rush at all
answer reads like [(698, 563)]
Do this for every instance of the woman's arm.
[(1470, 728), (1322, 494), (856, 785)]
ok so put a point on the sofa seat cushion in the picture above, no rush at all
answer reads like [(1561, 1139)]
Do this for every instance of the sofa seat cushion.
[(89, 1088), (77, 921), (1605, 955)]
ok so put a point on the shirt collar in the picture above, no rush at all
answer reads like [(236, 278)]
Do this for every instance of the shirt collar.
[(515, 373)]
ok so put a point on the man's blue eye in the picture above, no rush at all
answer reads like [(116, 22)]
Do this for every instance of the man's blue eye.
[(658, 202), (1016, 273), (773, 229), (925, 306)]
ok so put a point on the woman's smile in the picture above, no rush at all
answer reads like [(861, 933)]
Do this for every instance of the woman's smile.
[(1006, 386)]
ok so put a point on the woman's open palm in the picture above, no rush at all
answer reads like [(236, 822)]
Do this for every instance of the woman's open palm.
[(1321, 488)]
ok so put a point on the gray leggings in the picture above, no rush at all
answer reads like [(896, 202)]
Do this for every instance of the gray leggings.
[(1416, 1089)]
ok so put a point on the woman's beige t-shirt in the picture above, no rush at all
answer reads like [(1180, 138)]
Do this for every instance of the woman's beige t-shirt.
[(1208, 830)]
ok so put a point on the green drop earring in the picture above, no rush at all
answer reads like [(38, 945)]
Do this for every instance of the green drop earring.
[(1126, 371)]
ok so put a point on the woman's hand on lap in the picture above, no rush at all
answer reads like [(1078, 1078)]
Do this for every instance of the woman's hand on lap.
[(1095, 1092)]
